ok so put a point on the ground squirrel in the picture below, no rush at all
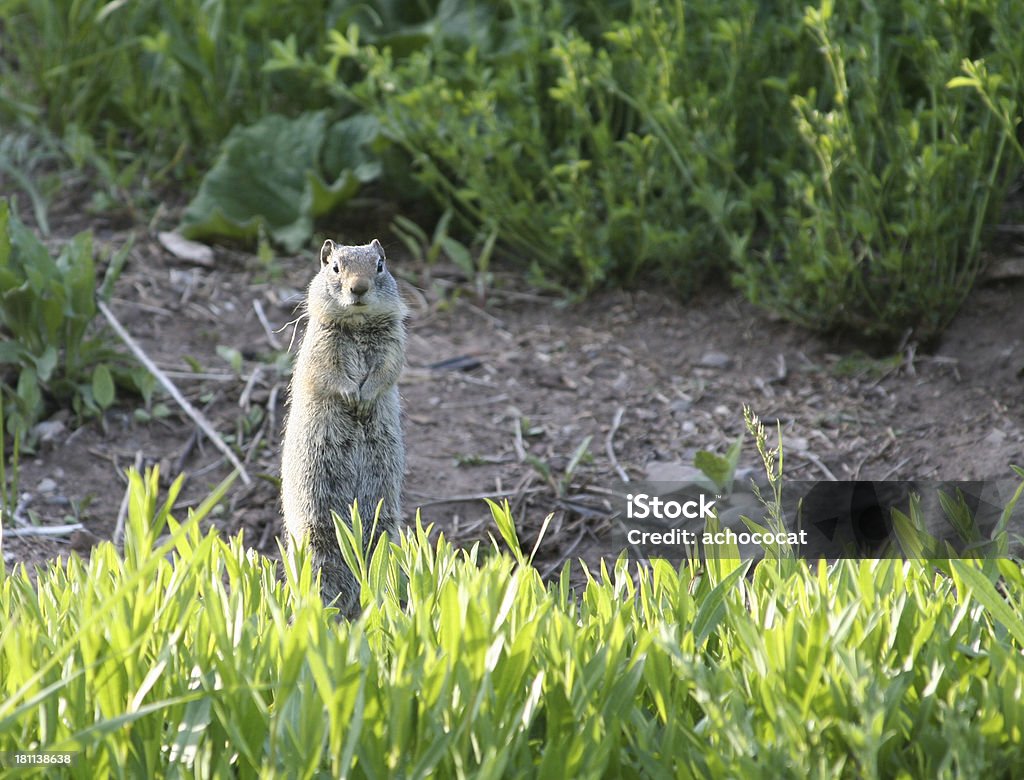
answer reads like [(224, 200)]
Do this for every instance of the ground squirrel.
[(343, 436)]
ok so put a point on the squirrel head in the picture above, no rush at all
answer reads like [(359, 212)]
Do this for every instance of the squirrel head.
[(354, 281)]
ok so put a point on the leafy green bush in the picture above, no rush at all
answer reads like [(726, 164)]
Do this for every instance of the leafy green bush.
[(561, 143), (841, 160), (815, 150), (47, 307), (879, 228), (192, 656), (151, 77), (279, 173)]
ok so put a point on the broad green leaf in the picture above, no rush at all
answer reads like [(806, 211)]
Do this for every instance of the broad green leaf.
[(18, 309), (348, 147), (261, 178), (326, 197), (720, 469), (713, 607), (30, 253), (459, 255), (914, 541), (279, 173), (987, 595), (962, 81), (114, 268), (79, 274), (46, 362), (53, 314), (29, 396), (102, 386), (13, 353)]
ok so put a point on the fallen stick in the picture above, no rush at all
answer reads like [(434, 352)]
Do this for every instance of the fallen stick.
[(517, 440), (45, 530), (243, 399), (262, 317), (609, 444), (820, 464), (198, 417)]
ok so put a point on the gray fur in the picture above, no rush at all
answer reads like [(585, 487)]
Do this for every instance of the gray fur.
[(343, 437)]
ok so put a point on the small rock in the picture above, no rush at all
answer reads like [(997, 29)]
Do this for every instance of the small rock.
[(46, 485), (49, 431), (795, 443), (672, 471), (722, 411), (714, 360), (995, 438), (1010, 268), (680, 406), (82, 541), (183, 249)]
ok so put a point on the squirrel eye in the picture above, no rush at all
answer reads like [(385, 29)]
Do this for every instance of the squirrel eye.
[(380, 265), (335, 268)]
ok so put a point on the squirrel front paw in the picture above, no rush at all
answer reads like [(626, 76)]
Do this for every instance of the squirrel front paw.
[(349, 392)]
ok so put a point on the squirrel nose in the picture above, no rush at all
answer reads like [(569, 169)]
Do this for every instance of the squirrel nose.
[(360, 287)]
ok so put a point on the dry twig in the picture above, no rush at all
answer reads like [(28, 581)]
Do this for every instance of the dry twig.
[(609, 444), (517, 441), (272, 416), (820, 464), (243, 399), (262, 316), (45, 530), (197, 417)]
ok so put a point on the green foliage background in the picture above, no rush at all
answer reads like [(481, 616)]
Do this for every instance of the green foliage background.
[(838, 161), (48, 305)]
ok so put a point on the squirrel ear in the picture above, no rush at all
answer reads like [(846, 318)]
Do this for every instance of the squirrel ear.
[(375, 244), (325, 252)]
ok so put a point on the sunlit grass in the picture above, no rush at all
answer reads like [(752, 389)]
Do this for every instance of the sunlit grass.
[(195, 657)]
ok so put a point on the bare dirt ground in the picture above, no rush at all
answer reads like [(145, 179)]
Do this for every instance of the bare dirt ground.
[(500, 394)]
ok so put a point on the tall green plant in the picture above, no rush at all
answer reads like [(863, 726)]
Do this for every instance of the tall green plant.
[(818, 151), (47, 307), (192, 656), (163, 78), (587, 154), (880, 229)]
